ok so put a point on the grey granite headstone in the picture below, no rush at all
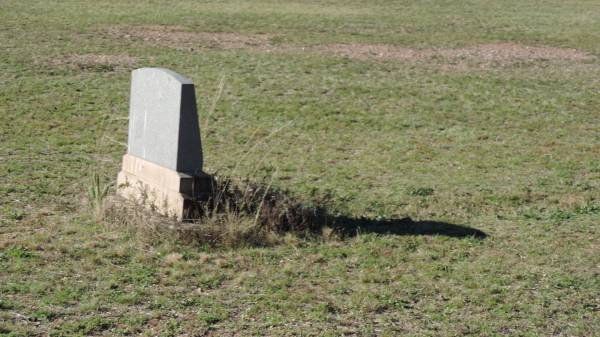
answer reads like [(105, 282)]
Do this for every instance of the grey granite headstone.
[(163, 120)]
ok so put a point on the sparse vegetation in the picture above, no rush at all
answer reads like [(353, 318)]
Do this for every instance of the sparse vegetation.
[(97, 192), (238, 213), (456, 143)]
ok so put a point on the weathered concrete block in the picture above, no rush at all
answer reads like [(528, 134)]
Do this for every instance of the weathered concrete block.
[(161, 189)]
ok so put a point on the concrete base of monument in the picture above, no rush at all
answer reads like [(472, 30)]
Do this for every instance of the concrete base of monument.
[(163, 190)]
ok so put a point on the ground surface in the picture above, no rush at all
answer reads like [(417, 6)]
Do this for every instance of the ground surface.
[(483, 114)]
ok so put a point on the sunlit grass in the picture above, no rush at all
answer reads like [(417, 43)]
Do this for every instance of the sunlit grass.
[(507, 148)]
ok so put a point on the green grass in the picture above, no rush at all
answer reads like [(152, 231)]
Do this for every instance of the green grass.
[(508, 148)]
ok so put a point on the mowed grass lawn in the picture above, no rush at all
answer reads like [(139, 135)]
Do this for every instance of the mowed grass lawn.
[(481, 114)]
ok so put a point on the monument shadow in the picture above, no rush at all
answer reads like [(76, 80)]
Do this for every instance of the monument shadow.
[(349, 226)]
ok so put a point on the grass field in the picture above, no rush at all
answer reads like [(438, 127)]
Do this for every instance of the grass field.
[(480, 114)]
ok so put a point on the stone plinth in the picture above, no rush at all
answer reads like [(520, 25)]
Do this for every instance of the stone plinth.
[(161, 189)]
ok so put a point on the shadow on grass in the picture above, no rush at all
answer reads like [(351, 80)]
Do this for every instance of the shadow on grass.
[(245, 213), (348, 226), (281, 212)]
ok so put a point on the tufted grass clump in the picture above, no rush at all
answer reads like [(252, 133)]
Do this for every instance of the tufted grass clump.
[(97, 193)]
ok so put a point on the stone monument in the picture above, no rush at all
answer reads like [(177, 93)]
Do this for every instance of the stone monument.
[(163, 164)]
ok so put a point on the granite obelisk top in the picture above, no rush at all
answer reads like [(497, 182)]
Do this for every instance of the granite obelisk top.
[(163, 120)]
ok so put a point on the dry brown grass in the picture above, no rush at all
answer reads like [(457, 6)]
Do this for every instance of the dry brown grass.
[(93, 62), (499, 53), (172, 259), (238, 214), (182, 38), (486, 52), (268, 207)]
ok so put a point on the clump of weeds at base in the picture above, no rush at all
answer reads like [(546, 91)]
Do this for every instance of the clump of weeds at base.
[(238, 213), (268, 208)]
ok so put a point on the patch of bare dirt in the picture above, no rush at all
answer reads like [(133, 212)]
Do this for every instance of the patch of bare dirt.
[(94, 62), (181, 38), (368, 51), (488, 52), (512, 51), (499, 53)]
